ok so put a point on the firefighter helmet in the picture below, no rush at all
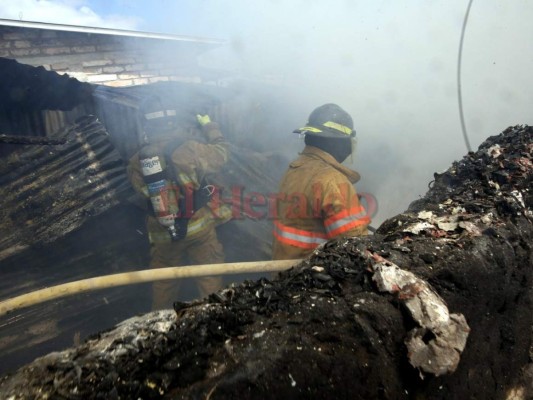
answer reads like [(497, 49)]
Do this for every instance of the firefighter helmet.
[(328, 120), (156, 117)]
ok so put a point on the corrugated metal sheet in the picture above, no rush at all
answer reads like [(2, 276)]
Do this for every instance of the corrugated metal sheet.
[(34, 88), (26, 95), (52, 190)]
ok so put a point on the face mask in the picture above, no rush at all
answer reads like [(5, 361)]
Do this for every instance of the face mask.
[(340, 148)]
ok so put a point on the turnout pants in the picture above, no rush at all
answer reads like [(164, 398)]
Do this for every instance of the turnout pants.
[(202, 248)]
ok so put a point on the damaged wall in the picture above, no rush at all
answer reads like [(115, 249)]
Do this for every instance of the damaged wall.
[(106, 56)]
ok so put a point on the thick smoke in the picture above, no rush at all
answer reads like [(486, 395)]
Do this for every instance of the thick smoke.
[(393, 66)]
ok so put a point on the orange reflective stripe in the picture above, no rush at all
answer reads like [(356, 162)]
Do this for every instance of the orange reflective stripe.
[(349, 225), (296, 231), (293, 242), (346, 220), (298, 237), (357, 211)]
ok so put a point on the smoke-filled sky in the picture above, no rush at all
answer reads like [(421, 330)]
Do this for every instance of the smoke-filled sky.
[(391, 64)]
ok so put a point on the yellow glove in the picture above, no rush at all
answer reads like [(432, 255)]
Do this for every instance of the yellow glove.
[(203, 119)]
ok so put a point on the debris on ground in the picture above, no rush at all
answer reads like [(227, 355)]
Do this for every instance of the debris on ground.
[(437, 304)]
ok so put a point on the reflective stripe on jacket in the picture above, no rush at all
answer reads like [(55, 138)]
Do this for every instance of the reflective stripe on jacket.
[(316, 202), (202, 221), (345, 221), (297, 237)]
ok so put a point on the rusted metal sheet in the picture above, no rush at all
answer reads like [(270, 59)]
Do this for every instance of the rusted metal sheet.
[(52, 190)]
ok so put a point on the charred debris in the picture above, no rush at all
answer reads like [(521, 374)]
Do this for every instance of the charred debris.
[(437, 304)]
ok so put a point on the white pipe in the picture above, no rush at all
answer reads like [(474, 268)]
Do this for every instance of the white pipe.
[(134, 277)]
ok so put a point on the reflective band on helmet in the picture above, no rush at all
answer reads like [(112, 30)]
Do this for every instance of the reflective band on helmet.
[(338, 127), (346, 220), (298, 237), (154, 115), (160, 114), (309, 129)]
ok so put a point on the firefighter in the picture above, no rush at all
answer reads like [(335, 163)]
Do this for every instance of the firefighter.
[(317, 200), (184, 155)]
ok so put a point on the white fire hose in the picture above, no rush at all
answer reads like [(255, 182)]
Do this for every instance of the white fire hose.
[(134, 277)]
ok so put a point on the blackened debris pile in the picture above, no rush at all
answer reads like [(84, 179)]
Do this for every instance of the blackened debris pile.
[(329, 328)]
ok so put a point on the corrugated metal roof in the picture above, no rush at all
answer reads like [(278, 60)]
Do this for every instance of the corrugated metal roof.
[(34, 88), (108, 31)]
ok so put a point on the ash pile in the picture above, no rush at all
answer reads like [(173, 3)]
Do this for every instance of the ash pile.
[(437, 304)]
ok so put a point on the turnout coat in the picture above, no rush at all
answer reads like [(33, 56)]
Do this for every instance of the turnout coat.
[(316, 201)]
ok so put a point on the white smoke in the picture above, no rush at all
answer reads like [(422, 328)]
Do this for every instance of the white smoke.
[(392, 65)]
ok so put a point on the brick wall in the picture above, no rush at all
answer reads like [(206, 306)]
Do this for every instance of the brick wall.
[(106, 59)]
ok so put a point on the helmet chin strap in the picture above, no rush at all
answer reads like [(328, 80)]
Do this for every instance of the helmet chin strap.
[(353, 144)]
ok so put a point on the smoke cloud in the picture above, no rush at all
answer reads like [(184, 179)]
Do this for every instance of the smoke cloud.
[(392, 65)]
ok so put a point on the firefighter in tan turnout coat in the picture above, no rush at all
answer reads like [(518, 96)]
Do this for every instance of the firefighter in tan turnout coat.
[(317, 200), (190, 237)]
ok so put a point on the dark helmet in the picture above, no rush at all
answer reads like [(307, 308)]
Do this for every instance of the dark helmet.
[(328, 120), (156, 117)]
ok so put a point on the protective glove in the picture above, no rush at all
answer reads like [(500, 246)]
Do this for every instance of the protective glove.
[(203, 195), (203, 119)]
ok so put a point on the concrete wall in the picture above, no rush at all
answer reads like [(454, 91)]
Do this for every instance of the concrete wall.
[(107, 59)]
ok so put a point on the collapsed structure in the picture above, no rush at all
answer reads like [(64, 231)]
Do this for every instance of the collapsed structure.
[(437, 304), (70, 213)]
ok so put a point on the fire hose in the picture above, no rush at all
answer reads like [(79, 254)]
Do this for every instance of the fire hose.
[(142, 276)]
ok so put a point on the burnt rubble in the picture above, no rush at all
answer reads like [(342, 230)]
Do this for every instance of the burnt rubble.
[(336, 326)]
